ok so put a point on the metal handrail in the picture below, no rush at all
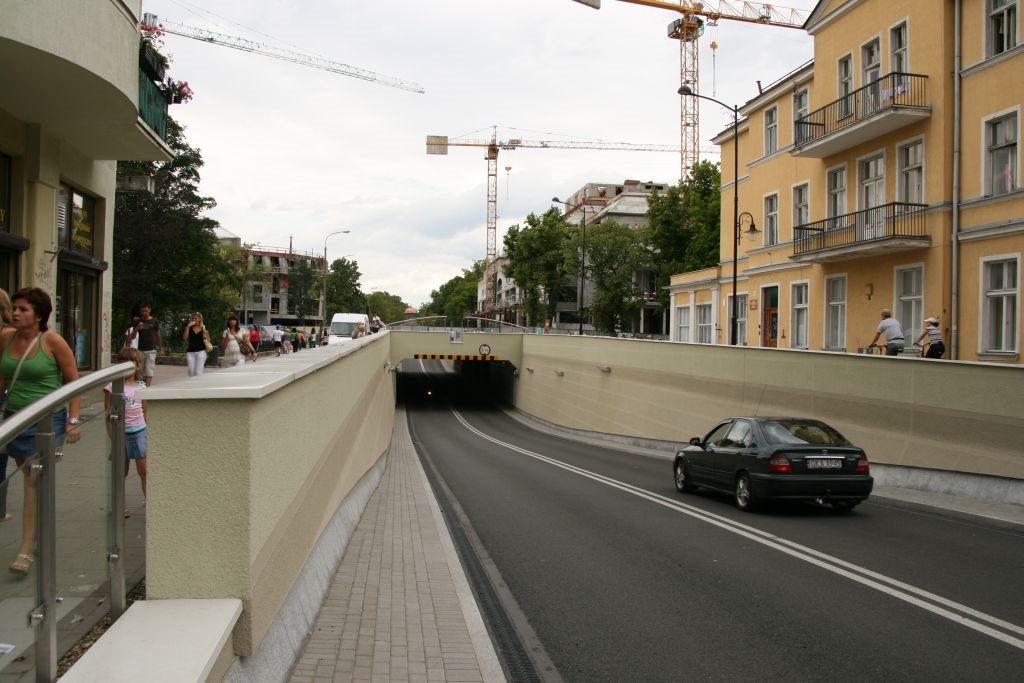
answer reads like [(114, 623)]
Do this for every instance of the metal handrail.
[(43, 616)]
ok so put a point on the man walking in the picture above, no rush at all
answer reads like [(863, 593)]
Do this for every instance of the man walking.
[(147, 332), (893, 331)]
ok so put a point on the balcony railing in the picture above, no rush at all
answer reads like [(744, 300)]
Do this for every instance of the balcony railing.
[(892, 91), (152, 105), (892, 220)]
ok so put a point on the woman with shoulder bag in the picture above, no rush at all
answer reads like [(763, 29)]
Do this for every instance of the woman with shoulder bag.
[(235, 344), (198, 345), (34, 362)]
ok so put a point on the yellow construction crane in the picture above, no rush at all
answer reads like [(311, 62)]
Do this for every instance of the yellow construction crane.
[(152, 21), (439, 144), (687, 29)]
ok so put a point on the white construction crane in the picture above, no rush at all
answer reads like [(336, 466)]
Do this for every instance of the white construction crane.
[(152, 21), (439, 144), (687, 30)]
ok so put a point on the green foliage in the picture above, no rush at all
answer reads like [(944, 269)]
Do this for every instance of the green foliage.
[(165, 250), (539, 263), (389, 307), (344, 294), (614, 253), (683, 225), (303, 289), (456, 298)]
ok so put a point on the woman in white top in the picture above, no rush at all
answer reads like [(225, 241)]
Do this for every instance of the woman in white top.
[(935, 347), (235, 344)]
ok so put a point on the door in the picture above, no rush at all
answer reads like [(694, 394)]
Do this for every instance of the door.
[(702, 462), (770, 317), (75, 315), (872, 198)]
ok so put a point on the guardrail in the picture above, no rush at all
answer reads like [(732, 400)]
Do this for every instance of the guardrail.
[(895, 219), (43, 617)]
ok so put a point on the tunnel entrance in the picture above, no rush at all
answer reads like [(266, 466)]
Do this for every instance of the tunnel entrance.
[(462, 383)]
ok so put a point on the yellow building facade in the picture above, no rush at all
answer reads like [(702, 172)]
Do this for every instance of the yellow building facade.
[(884, 174)]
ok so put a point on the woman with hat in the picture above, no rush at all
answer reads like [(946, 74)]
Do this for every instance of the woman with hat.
[(935, 346)]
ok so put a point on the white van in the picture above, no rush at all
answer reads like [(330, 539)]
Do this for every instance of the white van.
[(343, 325)]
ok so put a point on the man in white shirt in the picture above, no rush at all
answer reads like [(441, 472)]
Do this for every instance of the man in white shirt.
[(277, 334), (893, 331)]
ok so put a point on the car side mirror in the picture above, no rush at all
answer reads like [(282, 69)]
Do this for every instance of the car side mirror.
[(695, 441)]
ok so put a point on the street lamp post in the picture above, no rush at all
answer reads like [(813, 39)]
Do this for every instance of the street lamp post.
[(583, 249), (324, 289), (687, 90)]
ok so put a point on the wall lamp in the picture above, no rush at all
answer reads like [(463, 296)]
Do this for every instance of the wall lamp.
[(869, 289), (560, 373), (530, 370), (604, 368), (746, 218)]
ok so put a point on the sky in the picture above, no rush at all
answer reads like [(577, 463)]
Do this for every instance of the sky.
[(293, 154)]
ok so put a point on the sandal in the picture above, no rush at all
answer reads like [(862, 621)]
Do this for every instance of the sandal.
[(22, 563)]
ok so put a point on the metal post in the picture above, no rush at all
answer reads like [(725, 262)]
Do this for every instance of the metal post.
[(115, 557), (583, 262), (44, 616), (735, 214)]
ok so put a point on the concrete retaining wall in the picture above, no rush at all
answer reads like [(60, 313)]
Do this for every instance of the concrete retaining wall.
[(961, 417)]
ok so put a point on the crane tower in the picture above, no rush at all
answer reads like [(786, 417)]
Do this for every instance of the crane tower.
[(687, 30), (439, 144)]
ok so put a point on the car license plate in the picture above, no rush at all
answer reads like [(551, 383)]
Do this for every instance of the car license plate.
[(824, 463)]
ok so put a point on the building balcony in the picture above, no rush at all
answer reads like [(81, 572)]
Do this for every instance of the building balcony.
[(890, 103), (889, 228)]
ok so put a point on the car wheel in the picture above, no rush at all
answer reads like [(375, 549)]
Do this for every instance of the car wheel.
[(844, 505), (744, 494), (683, 483)]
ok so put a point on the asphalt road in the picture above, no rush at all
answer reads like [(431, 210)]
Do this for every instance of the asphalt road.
[(624, 579)]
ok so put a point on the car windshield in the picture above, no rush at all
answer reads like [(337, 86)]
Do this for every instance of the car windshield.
[(342, 329), (802, 432)]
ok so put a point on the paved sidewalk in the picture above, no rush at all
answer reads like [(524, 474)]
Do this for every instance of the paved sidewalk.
[(399, 607)]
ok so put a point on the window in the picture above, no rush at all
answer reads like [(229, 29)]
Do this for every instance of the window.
[(801, 206), (899, 62), (771, 220), (771, 130), (911, 162), (1002, 25), (1001, 136), (836, 196), (76, 220), (741, 318), (705, 330), (871, 59), (800, 108), (910, 300), (1001, 290), (257, 294), (872, 197), (683, 316), (835, 312), (845, 86), (798, 333)]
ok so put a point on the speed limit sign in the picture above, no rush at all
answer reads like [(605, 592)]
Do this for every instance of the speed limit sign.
[(485, 349)]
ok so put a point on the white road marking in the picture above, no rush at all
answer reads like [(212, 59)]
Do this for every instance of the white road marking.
[(968, 616)]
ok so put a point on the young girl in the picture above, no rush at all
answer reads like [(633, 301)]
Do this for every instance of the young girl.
[(136, 435)]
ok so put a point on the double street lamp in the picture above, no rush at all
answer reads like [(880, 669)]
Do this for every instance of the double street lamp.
[(734, 314), (330, 235), (583, 248)]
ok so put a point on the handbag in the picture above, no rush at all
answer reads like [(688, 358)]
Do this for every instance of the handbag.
[(206, 340), (14, 377)]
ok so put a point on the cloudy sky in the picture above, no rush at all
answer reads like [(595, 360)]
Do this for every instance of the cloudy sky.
[(294, 153)]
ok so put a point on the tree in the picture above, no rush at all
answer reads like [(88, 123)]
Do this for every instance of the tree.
[(303, 284), (389, 307), (684, 232), (344, 294), (537, 262), (456, 298), (614, 253), (165, 250)]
